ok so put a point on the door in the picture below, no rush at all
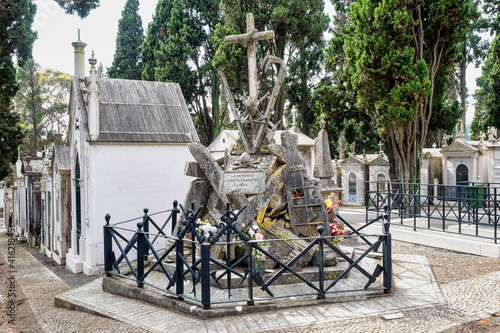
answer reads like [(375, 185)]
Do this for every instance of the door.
[(352, 187), (78, 205), (462, 179)]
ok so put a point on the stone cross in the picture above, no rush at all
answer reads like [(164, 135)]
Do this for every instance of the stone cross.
[(380, 146), (294, 115), (248, 40), (434, 145)]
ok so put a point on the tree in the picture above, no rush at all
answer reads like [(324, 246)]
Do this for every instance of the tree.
[(298, 26), (127, 59), (178, 48), (396, 50), (16, 39), (492, 102), (81, 7), (42, 101)]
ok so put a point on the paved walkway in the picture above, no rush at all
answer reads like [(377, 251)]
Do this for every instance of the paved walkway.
[(419, 304)]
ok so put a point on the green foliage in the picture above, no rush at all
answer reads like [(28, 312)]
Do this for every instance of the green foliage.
[(178, 48), (16, 39), (42, 101), (486, 96), (392, 57), (492, 102), (298, 28), (127, 60), (80, 7)]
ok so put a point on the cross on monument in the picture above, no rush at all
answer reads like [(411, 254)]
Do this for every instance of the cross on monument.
[(380, 146), (248, 40)]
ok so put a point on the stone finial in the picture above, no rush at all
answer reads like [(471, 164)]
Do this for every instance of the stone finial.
[(380, 151), (93, 100), (352, 147), (79, 47), (434, 145), (322, 122), (294, 128), (18, 153), (364, 155)]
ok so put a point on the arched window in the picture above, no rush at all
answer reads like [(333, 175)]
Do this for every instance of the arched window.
[(381, 180), (352, 187)]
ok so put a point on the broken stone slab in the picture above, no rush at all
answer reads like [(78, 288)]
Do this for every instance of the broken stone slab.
[(192, 169), (198, 192), (209, 166)]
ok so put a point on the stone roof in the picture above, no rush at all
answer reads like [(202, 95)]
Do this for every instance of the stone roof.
[(140, 111), (380, 160), (61, 157)]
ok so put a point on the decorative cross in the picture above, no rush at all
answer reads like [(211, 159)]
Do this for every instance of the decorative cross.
[(380, 145), (294, 115), (248, 40), (434, 145)]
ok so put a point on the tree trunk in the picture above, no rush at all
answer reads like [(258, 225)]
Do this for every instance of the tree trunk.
[(215, 105)]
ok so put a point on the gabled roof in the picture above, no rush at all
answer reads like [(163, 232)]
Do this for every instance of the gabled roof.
[(352, 159), (458, 147), (380, 160), (139, 111)]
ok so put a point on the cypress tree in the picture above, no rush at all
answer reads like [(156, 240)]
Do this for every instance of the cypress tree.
[(16, 38), (127, 60)]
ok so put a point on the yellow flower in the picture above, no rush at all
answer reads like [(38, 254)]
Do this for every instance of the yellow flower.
[(328, 203)]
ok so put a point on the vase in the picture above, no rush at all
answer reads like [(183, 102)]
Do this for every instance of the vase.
[(259, 265)]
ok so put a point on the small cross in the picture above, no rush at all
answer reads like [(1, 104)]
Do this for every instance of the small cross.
[(434, 145), (248, 40), (380, 145)]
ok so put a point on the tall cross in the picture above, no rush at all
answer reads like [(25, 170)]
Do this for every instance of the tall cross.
[(380, 146), (248, 40)]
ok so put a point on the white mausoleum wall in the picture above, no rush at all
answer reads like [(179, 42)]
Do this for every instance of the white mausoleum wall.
[(125, 179)]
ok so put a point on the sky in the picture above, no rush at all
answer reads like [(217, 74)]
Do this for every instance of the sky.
[(57, 30)]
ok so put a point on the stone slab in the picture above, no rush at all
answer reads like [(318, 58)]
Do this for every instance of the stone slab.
[(246, 181)]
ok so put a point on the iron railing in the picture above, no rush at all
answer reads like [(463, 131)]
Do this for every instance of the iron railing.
[(468, 209), (198, 275)]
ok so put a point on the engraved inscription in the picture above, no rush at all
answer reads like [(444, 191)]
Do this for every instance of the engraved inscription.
[(249, 182)]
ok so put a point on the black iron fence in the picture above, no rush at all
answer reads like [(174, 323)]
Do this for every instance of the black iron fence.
[(468, 209), (187, 267)]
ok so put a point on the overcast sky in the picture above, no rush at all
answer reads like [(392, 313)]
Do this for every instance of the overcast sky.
[(56, 32)]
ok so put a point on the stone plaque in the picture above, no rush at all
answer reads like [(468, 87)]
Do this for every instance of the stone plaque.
[(249, 182)]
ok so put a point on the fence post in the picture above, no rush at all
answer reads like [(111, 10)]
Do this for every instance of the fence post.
[(175, 211), (141, 252), (387, 255), (179, 267), (108, 246), (250, 268), (145, 221), (321, 294), (205, 275)]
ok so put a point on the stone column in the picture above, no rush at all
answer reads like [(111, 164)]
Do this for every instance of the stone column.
[(79, 57)]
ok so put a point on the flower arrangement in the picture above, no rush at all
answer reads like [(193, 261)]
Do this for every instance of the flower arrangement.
[(204, 227), (332, 209), (254, 233)]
